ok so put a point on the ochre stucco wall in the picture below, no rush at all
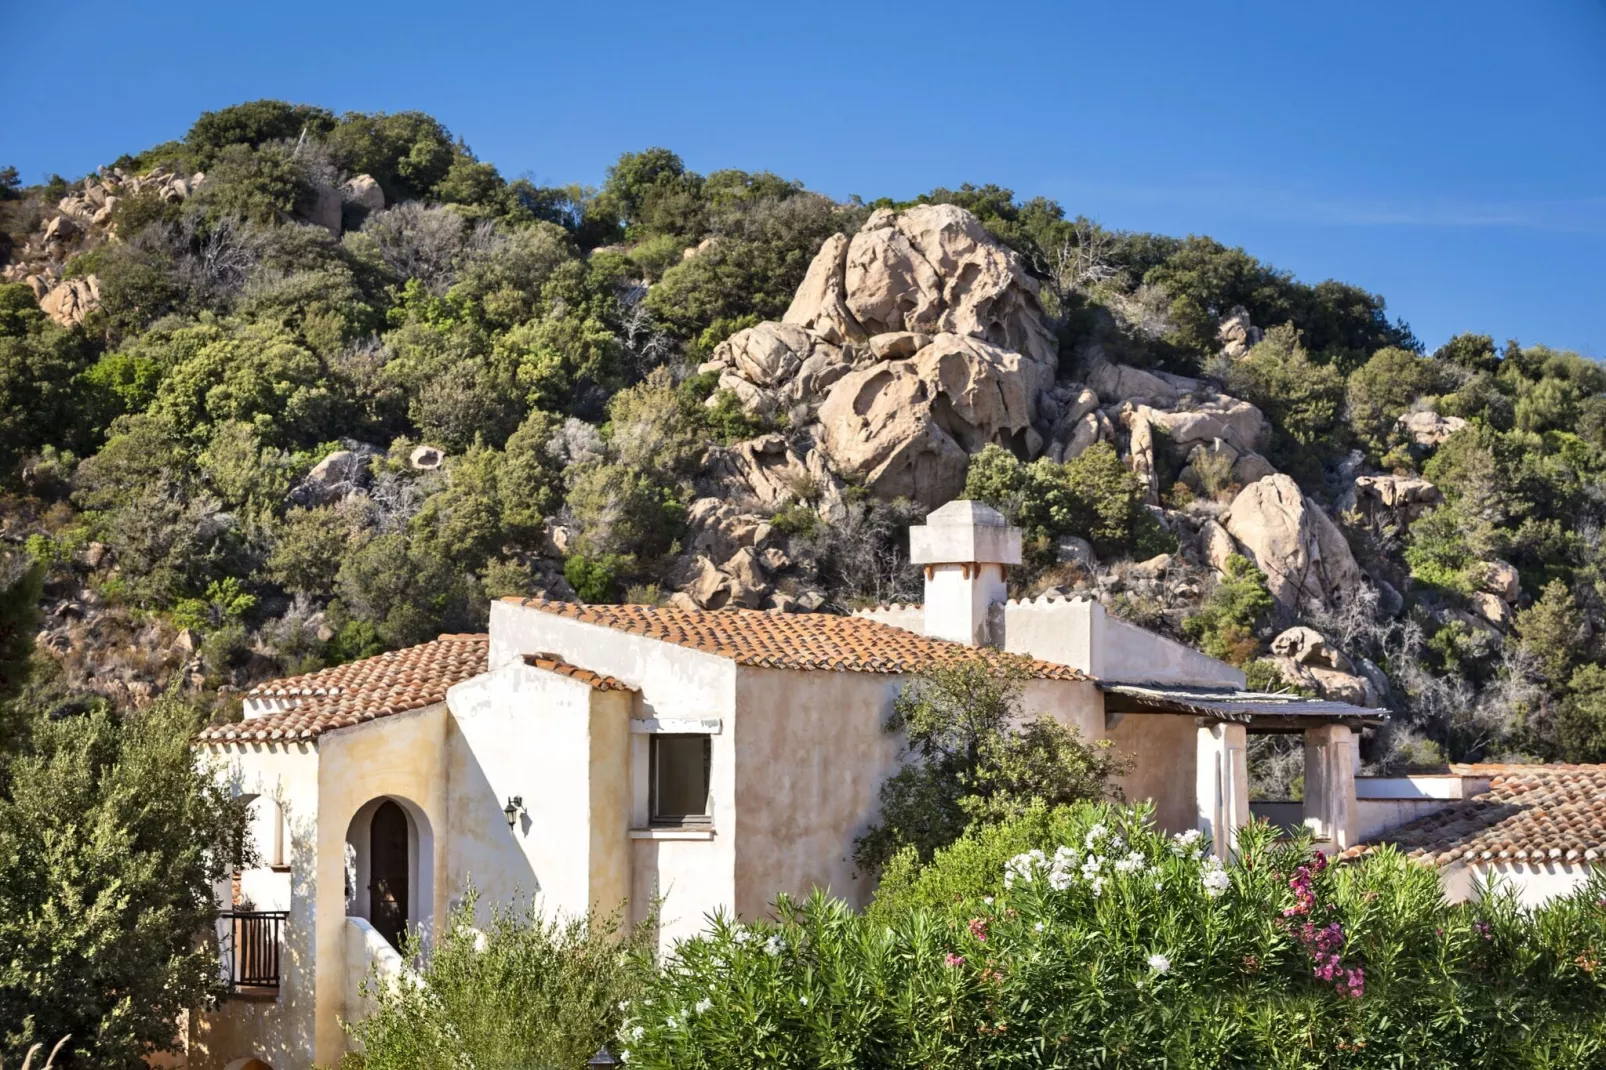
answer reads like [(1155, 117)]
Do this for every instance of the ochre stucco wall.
[(1164, 749), (401, 757), (811, 752)]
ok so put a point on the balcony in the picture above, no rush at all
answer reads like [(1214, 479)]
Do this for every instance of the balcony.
[(249, 942)]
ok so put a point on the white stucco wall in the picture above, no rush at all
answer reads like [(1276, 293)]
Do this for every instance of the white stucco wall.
[(563, 747), (690, 876), (280, 1031), (1081, 634), (1164, 750), (1535, 884)]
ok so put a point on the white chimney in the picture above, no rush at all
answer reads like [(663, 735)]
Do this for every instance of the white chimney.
[(965, 547)]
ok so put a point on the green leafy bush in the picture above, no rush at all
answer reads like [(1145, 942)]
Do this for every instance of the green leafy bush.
[(520, 993), (1093, 496), (1084, 937), (974, 759), (1227, 626)]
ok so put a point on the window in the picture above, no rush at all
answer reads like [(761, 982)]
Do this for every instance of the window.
[(679, 789)]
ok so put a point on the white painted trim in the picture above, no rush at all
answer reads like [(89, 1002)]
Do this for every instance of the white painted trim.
[(671, 834), (710, 726)]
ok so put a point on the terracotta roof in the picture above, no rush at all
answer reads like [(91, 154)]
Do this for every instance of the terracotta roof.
[(820, 641), (358, 691), (1531, 813), (553, 663)]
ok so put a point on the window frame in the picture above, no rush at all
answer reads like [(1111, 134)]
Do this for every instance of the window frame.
[(655, 818)]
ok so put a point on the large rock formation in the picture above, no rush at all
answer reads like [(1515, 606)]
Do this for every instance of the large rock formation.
[(908, 427), (1290, 539), (81, 221), (917, 341)]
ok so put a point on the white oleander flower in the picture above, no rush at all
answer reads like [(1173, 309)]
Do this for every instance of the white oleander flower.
[(1059, 880), (1159, 963), (772, 946), (703, 1005), (1216, 880)]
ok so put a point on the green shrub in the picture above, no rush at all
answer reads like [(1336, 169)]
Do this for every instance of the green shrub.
[(594, 579), (1086, 938), (1227, 626), (1093, 496), (974, 759), (521, 993)]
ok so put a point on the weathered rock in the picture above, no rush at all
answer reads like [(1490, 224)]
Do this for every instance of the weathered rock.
[(557, 540), (1073, 550), (1389, 501), (69, 302), (898, 345), (363, 192), (1116, 383), (1428, 428), (1377, 682), (820, 304), (1492, 608), (750, 581), (1237, 335), (718, 529), (94, 555), (1221, 419), (1216, 545), (1290, 539), (426, 458), (1307, 646), (1140, 450), (1501, 578), (326, 209), (187, 641), (811, 601), (708, 588), (908, 427), (769, 472), (774, 365), (1157, 565), (341, 473)]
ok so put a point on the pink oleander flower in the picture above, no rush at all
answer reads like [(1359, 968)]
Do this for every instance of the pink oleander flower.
[(978, 929), (953, 960)]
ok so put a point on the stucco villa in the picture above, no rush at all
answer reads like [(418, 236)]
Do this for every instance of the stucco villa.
[(599, 756)]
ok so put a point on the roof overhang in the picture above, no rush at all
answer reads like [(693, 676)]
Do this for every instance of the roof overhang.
[(1263, 711)]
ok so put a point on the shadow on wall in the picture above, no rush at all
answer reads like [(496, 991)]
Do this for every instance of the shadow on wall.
[(480, 848)]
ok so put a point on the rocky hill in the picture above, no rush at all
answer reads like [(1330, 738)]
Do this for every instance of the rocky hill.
[(300, 387)]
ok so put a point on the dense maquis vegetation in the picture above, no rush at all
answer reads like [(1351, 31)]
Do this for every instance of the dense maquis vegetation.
[(1062, 937), (546, 340)]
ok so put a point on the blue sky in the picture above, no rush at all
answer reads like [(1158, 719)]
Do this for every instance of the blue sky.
[(1451, 156)]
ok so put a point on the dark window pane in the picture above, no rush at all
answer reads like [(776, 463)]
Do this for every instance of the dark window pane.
[(680, 778)]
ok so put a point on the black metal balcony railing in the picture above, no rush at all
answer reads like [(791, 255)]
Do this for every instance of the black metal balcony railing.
[(251, 943)]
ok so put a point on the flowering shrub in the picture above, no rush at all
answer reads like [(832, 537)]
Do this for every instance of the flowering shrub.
[(1091, 939)]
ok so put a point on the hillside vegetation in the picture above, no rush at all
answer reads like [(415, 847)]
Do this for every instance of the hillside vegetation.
[(299, 387)]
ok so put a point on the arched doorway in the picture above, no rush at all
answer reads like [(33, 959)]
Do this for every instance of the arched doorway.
[(388, 884)]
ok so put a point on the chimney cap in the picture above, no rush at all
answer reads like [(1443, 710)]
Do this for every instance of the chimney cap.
[(964, 532), (963, 511)]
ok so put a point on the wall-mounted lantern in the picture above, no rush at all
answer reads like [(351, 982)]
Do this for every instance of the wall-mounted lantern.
[(515, 803)]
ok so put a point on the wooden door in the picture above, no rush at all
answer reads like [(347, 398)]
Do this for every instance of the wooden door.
[(387, 872)]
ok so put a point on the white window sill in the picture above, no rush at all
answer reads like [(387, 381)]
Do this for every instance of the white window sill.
[(672, 833)]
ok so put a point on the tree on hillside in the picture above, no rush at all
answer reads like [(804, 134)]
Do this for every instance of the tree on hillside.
[(112, 837)]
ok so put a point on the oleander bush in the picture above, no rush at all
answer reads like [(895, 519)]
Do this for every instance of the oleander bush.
[(1084, 937)]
